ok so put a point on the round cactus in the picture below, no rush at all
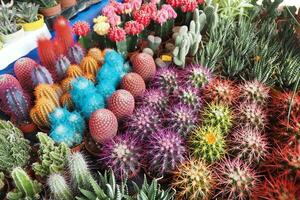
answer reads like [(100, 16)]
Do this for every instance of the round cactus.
[(66, 84), (144, 121), (133, 83), (22, 68), (218, 115), (40, 75), (48, 92), (221, 91), (103, 125), (182, 120), (89, 65), (7, 81), (254, 92), (61, 66), (58, 116), (165, 150), (250, 145), (193, 180), (97, 54), (66, 101), (90, 77), (65, 133), (144, 65), (76, 54), (77, 121), (236, 180), (208, 143), (196, 76), (167, 79), (74, 71), (123, 154), (156, 99), (121, 103), (58, 89), (281, 102), (189, 97), (252, 115)]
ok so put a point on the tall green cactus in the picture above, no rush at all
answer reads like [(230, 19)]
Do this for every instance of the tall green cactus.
[(26, 188), (59, 188), (14, 148), (52, 157), (211, 13)]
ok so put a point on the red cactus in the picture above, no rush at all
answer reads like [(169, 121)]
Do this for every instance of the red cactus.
[(64, 33), (144, 65), (23, 68), (121, 103), (289, 128), (133, 83)]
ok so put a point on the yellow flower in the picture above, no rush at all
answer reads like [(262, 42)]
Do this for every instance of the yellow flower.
[(100, 19), (257, 58), (101, 28)]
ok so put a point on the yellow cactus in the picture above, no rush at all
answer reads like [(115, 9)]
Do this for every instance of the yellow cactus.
[(66, 101), (89, 65), (58, 89), (46, 91), (74, 71), (40, 112), (97, 54), (90, 77), (66, 84)]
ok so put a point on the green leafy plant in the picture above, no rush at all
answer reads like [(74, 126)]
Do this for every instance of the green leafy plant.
[(8, 20), (27, 12), (46, 3)]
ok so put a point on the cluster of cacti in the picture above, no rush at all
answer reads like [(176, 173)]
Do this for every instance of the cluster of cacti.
[(154, 42), (167, 79)]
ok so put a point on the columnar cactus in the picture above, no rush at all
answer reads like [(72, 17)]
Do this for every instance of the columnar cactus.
[(89, 66), (46, 91), (51, 156), (59, 188), (61, 66), (14, 148), (26, 188), (76, 54), (39, 75), (154, 42), (7, 81)]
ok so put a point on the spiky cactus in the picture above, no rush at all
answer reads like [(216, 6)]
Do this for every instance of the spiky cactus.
[(76, 54), (196, 76), (51, 156), (22, 68), (236, 180), (74, 71), (97, 54), (188, 96), (89, 66), (282, 101), (67, 134), (66, 101), (208, 143), (2, 181), (39, 75), (193, 180), (254, 92), (26, 188), (155, 98), (218, 115), (124, 155), (250, 145), (167, 79), (59, 188), (66, 84), (61, 66), (165, 150), (48, 92), (253, 116), (14, 148), (133, 83)]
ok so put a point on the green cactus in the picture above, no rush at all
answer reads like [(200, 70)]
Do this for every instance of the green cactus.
[(52, 157), (2, 180), (14, 148), (26, 188), (182, 46), (211, 13), (154, 42), (59, 188)]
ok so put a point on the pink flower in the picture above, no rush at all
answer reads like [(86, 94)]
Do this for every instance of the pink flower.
[(155, 1), (116, 34), (81, 28), (189, 6), (142, 17), (200, 1), (108, 10), (136, 4), (175, 3), (150, 8), (114, 19), (133, 28), (171, 12), (127, 8), (161, 16)]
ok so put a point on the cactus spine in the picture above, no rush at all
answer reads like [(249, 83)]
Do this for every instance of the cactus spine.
[(89, 66), (46, 91), (74, 71), (59, 188), (61, 66), (40, 75)]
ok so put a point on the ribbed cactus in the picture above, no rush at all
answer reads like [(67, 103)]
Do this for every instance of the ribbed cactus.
[(89, 66), (22, 68), (167, 79), (253, 116), (7, 81), (40, 75), (52, 158), (196, 76), (155, 98), (193, 180), (76, 54), (58, 89), (154, 42), (97, 54), (254, 92), (66, 101), (61, 66), (46, 91), (14, 148), (190, 97), (74, 71), (66, 84), (26, 188), (59, 188), (165, 150), (208, 143)]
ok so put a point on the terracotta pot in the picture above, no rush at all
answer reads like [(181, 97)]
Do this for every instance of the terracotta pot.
[(77, 148), (34, 25), (27, 128), (67, 3), (92, 147), (53, 11), (13, 36)]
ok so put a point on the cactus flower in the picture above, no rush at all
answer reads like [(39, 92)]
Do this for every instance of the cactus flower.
[(142, 17), (117, 34), (81, 28), (133, 28), (101, 28)]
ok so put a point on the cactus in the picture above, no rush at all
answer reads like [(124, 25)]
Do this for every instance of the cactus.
[(188, 96), (26, 188), (89, 66), (59, 115), (76, 54), (14, 148), (58, 89), (46, 91), (144, 121), (66, 101), (182, 120), (66, 84), (90, 77), (7, 81), (40, 75), (167, 79), (123, 154), (165, 150), (2, 181), (196, 76), (97, 54), (208, 143), (74, 71), (211, 13), (51, 157), (156, 99), (106, 89), (182, 46), (67, 134), (154, 42), (218, 115), (59, 189), (61, 66), (22, 68), (236, 180), (77, 121), (252, 116), (133, 83), (249, 145), (144, 65), (110, 73), (254, 92), (40, 112), (193, 179)]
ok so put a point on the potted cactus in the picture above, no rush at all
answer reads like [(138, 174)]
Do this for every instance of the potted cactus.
[(29, 17), (49, 8), (67, 3)]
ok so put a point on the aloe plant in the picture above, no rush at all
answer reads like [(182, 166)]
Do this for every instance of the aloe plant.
[(8, 20), (27, 12)]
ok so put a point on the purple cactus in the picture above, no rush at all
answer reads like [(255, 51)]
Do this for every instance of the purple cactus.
[(40, 75), (76, 54), (155, 98), (167, 79), (123, 154), (144, 121), (196, 76), (165, 150), (182, 119), (61, 66), (189, 96)]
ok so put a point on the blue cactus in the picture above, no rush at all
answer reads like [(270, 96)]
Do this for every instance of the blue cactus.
[(61, 66), (40, 75), (67, 134), (76, 54), (59, 116), (77, 121), (106, 89), (94, 102)]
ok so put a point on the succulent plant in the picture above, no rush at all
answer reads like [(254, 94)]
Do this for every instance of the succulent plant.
[(76, 54), (66, 133), (40, 75), (51, 157), (188, 96), (106, 89), (235, 180), (66, 101), (167, 79), (156, 99), (144, 65), (26, 188), (254, 92), (196, 76), (133, 83), (22, 68), (14, 148), (46, 91), (124, 155), (8, 22), (165, 150), (74, 71), (97, 54), (283, 101), (61, 66), (253, 116), (27, 12), (218, 115), (7, 81), (193, 180), (154, 42), (59, 188), (249, 145), (66, 84), (89, 65), (208, 143)]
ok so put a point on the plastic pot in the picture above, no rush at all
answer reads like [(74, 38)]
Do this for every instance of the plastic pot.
[(32, 26), (13, 36)]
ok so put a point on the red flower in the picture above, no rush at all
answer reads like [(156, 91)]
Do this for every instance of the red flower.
[(175, 3), (200, 2), (133, 28), (116, 34), (142, 17), (189, 6), (149, 8), (81, 28)]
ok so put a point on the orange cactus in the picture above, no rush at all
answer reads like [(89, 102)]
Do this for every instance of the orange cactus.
[(39, 113), (66, 84), (48, 92), (97, 54), (89, 65), (74, 71), (66, 101), (90, 77), (58, 89)]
